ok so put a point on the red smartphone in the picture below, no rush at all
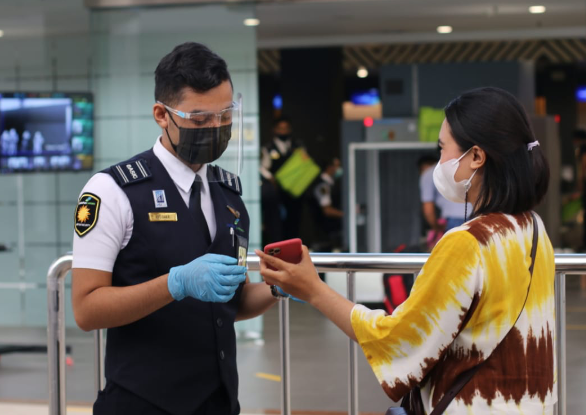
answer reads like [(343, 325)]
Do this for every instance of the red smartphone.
[(289, 250)]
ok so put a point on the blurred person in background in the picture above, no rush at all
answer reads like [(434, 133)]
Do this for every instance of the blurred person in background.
[(326, 205), (580, 148), (280, 211), (450, 214)]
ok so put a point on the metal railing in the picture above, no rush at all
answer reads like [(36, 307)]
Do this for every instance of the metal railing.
[(56, 333), (349, 263)]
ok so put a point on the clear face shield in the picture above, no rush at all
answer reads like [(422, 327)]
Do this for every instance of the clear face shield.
[(208, 137)]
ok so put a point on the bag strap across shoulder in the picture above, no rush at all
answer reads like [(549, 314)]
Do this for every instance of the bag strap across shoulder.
[(465, 377)]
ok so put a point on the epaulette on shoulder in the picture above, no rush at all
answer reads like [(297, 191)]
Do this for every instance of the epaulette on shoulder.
[(228, 180), (131, 171)]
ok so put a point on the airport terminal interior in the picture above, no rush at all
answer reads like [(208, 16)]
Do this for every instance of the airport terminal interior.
[(353, 91)]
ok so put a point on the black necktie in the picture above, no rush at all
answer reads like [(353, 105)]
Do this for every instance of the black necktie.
[(195, 207)]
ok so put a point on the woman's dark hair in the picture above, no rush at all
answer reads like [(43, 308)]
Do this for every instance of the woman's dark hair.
[(190, 65), (515, 179)]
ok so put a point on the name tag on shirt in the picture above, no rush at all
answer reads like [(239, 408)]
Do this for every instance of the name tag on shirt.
[(162, 217)]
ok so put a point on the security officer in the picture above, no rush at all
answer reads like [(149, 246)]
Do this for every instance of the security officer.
[(276, 153), (280, 210), (326, 205), (154, 256)]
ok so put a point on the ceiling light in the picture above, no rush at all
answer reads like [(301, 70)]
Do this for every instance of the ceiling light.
[(1, 33), (251, 22), (444, 29), (362, 72), (537, 9)]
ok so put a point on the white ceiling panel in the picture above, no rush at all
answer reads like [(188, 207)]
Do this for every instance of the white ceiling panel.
[(285, 23)]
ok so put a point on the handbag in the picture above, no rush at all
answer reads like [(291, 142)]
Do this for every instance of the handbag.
[(412, 404)]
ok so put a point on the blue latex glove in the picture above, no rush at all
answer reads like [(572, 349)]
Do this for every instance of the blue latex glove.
[(212, 278), (284, 294)]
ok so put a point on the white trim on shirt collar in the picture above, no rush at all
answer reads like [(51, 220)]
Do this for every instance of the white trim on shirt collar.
[(182, 175), (327, 178), (282, 145)]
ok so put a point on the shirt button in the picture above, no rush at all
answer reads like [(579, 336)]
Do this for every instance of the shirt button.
[(219, 322), (222, 355)]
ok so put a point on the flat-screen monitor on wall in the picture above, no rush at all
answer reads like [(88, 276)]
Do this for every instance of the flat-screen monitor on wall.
[(46, 132)]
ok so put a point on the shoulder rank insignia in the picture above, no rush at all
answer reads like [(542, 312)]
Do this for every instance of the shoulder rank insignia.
[(86, 213), (227, 179), (130, 172)]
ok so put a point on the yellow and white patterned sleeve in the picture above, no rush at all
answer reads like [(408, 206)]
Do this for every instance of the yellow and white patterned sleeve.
[(403, 347)]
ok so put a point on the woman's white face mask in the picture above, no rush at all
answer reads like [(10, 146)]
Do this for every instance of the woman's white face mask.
[(444, 181)]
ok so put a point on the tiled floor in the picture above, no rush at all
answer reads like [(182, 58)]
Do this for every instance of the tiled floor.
[(38, 409), (318, 374)]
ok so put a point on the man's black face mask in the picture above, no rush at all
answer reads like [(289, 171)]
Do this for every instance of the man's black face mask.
[(201, 145)]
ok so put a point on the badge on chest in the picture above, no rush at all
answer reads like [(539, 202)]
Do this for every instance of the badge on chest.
[(161, 202), (160, 198)]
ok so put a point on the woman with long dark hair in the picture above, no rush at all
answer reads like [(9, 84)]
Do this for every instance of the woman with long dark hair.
[(482, 308)]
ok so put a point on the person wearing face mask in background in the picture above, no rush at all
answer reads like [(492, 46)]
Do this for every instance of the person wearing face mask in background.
[(476, 334), (326, 205), (159, 252), (280, 211)]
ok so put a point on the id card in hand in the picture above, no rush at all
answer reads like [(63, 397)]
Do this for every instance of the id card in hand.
[(242, 250)]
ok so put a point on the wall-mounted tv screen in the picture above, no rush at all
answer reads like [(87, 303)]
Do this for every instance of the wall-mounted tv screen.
[(46, 132)]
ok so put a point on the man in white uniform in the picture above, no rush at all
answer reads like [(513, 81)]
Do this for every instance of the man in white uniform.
[(154, 255)]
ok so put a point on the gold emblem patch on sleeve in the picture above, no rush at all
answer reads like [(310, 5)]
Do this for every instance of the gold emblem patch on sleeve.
[(86, 213)]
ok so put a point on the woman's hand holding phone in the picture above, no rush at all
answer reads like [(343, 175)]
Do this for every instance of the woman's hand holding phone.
[(297, 279), (288, 251)]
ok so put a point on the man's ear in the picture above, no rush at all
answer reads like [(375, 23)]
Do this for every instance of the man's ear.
[(160, 115), (478, 158)]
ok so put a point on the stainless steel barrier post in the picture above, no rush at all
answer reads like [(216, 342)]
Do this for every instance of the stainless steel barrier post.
[(99, 360), (352, 222), (285, 357), (56, 333), (353, 356), (560, 314)]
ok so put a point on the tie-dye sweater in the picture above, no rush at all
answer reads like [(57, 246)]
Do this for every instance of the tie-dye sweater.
[(463, 303)]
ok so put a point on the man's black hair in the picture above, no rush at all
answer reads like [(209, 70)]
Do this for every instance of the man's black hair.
[(514, 179), (326, 161), (190, 65), (281, 119)]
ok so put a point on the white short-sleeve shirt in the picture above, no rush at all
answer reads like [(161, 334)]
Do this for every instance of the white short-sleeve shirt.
[(323, 191), (99, 248)]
